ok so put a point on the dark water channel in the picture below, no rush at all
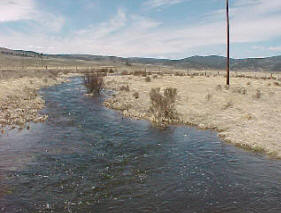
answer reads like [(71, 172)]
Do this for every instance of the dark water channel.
[(86, 158)]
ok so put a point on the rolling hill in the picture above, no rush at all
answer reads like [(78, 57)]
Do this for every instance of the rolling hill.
[(194, 62)]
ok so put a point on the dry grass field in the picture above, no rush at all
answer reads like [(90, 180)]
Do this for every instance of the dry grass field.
[(247, 114)]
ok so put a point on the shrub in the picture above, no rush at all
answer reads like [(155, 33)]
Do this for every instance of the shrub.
[(162, 106), (124, 72), (226, 87), (258, 94), (93, 83), (208, 97), (147, 79), (228, 105), (136, 95), (155, 76), (218, 88), (240, 90), (125, 88), (179, 74), (139, 73)]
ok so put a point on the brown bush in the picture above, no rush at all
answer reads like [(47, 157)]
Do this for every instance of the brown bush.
[(163, 106), (136, 95), (258, 94), (124, 72), (209, 97), (228, 105), (139, 73), (125, 88), (240, 90), (218, 87), (179, 74), (93, 83), (147, 79)]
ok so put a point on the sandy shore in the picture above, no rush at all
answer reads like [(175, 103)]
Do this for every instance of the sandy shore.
[(19, 101), (248, 114)]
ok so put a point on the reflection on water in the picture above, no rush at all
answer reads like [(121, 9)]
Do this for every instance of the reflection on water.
[(86, 158)]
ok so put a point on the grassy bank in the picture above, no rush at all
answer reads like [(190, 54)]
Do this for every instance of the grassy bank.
[(247, 114), (19, 101)]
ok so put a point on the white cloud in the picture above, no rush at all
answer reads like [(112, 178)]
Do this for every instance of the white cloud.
[(26, 10), (106, 28), (14, 10), (161, 3), (275, 49), (271, 48), (128, 34)]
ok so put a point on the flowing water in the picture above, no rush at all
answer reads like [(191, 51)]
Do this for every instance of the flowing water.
[(86, 158)]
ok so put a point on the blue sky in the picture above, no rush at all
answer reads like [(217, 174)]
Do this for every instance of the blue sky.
[(143, 28)]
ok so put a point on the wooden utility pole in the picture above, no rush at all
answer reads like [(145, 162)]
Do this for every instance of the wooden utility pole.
[(227, 30)]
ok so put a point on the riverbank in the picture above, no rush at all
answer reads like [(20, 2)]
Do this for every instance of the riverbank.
[(247, 114), (19, 101)]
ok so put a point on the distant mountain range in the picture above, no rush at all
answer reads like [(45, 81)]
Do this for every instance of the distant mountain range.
[(194, 62)]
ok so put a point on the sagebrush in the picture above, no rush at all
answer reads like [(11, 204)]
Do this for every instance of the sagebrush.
[(93, 83), (163, 106)]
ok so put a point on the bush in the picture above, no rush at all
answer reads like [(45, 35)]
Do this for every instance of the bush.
[(125, 88), (140, 73), (218, 88), (208, 97), (93, 83), (136, 95), (124, 72), (162, 106), (228, 105), (240, 90), (179, 74), (258, 94), (147, 79)]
